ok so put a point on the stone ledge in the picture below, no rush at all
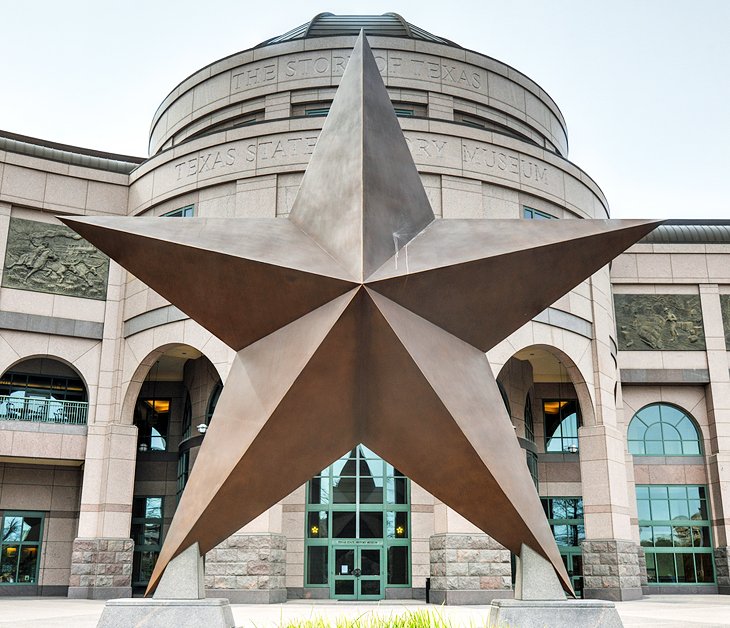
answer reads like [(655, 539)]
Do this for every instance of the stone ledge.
[(158, 613), (554, 614)]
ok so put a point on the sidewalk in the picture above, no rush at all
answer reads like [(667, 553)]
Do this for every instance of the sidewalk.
[(658, 611)]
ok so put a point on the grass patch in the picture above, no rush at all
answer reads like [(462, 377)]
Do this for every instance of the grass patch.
[(406, 619)]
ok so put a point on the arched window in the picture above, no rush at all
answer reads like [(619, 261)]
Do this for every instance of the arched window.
[(529, 422), (213, 401), (505, 397), (663, 430)]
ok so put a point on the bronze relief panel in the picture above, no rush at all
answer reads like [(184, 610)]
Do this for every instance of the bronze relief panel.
[(725, 306), (659, 322), (52, 258)]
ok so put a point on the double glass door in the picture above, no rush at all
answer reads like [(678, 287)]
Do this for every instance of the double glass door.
[(357, 571)]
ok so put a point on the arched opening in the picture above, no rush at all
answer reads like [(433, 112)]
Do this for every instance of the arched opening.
[(44, 390), (548, 401), (171, 414)]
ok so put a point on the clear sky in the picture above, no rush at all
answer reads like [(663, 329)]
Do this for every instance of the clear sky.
[(643, 84)]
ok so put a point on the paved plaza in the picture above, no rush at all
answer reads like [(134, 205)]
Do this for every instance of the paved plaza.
[(659, 611)]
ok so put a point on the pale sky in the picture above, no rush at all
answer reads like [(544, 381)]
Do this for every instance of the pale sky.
[(644, 85)]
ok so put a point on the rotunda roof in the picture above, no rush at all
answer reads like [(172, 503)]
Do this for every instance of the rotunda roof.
[(329, 24)]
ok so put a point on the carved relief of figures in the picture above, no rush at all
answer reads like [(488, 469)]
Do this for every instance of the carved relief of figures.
[(52, 258), (659, 322), (725, 306)]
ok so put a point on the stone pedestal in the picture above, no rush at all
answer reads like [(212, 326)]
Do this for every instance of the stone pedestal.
[(179, 600), (468, 569), (248, 569), (722, 570), (611, 570), (101, 569), (554, 613), (158, 613)]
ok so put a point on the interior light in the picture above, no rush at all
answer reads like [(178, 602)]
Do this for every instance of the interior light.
[(315, 530)]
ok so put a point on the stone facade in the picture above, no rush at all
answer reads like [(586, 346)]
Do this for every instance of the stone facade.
[(248, 568), (101, 569), (722, 569), (611, 570), (468, 569)]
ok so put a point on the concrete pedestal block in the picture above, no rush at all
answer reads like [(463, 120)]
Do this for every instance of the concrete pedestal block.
[(611, 570), (554, 613), (101, 569), (159, 613), (468, 569)]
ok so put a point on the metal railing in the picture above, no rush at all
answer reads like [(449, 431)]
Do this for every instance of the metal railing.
[(41, 410)]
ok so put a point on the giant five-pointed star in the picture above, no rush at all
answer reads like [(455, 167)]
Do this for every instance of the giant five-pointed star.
[(360, 319)]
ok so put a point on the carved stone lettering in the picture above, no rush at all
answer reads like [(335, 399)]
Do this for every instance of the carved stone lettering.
[(265, 149), (488, 158), (253, 75), (659, 322), (394, 65), (422, 147), (725, 306), (204, 162), (52, 258)]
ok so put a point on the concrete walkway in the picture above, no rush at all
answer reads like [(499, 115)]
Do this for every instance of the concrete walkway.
[(658, 611)]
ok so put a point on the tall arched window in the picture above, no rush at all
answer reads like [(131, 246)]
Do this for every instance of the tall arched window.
[(660, 429)]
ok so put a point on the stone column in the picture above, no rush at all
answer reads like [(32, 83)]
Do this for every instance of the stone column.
[(250, 566), (610, 555), (467, 566), (101, 561), (718, 411)]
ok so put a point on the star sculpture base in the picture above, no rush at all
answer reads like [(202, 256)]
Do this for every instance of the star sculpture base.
[(361, 319), (554, 613)]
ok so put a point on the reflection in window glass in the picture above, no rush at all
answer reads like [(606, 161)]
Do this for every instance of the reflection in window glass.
[(317, 564), (562, 420), (20, 547), (674, 529), (359, 496), (152, 417), (147, 535), (565, 516), (663, 430)]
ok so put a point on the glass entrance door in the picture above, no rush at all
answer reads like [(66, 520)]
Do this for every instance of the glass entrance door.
[(357, 572), (357, 539)]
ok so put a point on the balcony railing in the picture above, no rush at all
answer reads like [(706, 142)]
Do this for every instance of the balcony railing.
[(41, 410)]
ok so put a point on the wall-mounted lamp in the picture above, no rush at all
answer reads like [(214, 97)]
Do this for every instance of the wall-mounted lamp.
[(202, 428), (572, 449), (143, 447)]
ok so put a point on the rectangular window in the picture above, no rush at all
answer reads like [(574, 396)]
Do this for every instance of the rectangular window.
[(674, 530), (183, 212), (565, 516), (152, 418), (316, 112), (536, 214), (147, 537), (562, 420), (21, 547)]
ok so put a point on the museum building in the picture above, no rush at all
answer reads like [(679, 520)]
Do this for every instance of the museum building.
[(619, 392)]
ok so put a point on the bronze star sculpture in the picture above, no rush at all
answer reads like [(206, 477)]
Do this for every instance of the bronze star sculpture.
[(361, 319)]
